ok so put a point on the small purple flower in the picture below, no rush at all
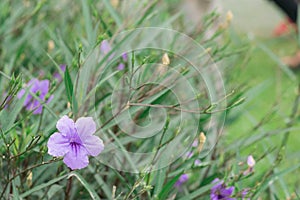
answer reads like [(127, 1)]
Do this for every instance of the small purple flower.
[(197, 162), (41, 89), (121, 66), (75, 141), (189, 154), (250, 161), (195, 143), (124, 57), (182, 179), (57, 75), (244, 193), (106, 48), (220, 191)]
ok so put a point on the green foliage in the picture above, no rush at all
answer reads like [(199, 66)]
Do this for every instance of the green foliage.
[(37, 36)]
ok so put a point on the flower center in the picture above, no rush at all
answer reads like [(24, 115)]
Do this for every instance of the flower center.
[(75, 147)]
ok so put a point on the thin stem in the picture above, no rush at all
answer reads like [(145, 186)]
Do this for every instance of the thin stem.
[(292, 118), (68, 188), (25, 170), (205, 111)]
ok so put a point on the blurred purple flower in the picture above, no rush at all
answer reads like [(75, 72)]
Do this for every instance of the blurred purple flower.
[(250, 161), (57, 75), (125, 57), (195, 143), (121, 66), (75, 141), (245, 193), (106, 48), (220, 191), (182, 179), (197, 162), (189, 154), (41, 89)]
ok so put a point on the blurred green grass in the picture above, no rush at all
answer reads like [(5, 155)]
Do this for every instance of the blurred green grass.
[(269, 88), (257, 69)]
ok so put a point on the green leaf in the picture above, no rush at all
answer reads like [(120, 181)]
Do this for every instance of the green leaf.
[(113, 13), (197, 193), (53, 190), (101, 183), (8, 117), (168, 187), (91, 36), (68, 84), (39, 187), (15, 191), (87, 186)]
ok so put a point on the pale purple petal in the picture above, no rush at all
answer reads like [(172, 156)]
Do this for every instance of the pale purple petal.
[(21, 93), (77, 159), (93, 144), (63, 67), (85, 126), (121, 66), (195, 143), (189, 154), (250, 161), (124, 57), (57, 75), (66, 126), (38, 109), (44, 87), (105, 46), (227, 191), (218, 184), (197, 162), (50, 99), (58, 145), (182, 179)]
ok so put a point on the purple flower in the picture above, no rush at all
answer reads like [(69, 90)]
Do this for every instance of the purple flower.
[(250, 161), (57, 75), (75, 141), (41, 89), (220, 191), (124, 57), (244, 193), (182, 179), (197, 162), (106, 48), (195, 143), (189, 154), (121, 66)]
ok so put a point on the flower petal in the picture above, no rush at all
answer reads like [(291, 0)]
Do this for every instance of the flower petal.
[(58, 145), (250, 161), (85, 126), (38, 109), (227, 191), (44, 87), (77, 159), (21, 93), (66, 126), (93, 144), (218, 184)]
